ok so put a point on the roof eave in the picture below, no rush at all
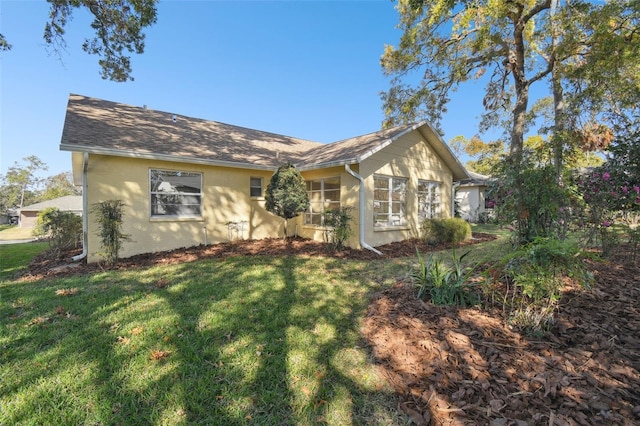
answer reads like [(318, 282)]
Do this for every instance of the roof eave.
[(457, 169), (386, 143), (327, 165), (163, 157)]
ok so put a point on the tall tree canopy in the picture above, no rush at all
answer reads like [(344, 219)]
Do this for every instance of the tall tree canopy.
[(510, 44), (118, 27), (20, 185), (59, 185)]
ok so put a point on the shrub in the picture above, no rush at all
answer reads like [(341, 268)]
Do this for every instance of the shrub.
[(530, 197), (110, 218), (444, 284), (286, 194), (537, 271), (62, 228), (337, 224), (438, 231)]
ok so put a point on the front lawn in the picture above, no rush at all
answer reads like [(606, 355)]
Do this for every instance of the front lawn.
[(245, 340), (14, 258)]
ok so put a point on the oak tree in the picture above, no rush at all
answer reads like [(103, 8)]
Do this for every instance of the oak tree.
[(118, 30), (512, 45)]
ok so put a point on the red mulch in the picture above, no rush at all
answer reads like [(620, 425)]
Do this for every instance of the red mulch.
[(455, 366)]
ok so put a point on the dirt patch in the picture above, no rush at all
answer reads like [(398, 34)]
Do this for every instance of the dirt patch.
[(47, 265), (455, 366)]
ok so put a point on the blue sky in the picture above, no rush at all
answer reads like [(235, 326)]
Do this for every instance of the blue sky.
[(308, 69)]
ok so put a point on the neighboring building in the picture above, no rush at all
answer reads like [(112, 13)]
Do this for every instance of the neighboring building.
[(29, 214), (471, 197), (10, 217), (186, 181)]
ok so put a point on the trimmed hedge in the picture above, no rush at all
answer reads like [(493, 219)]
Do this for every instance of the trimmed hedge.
[(438, 231)]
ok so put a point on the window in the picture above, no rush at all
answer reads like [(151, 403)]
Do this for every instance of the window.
[(255, 187), (175, 193), (389, 201), (429, 200), (324, 194)]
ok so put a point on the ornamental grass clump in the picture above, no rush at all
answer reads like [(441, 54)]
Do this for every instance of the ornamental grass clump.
[(444, 284)]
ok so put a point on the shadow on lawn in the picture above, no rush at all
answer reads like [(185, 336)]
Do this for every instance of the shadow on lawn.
[(228, 351)]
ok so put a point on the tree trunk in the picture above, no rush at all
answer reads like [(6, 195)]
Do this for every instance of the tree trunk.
[(517, 65), (558, 101), (559, 128), (516, 62)]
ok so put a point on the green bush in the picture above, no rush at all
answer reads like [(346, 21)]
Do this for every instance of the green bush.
[(337, 224), (109, 215), (439, 231), (444, 284), (286, 194), (537, 271), (63, 229)]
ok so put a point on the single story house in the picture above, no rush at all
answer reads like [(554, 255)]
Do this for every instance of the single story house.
[(29, 214), (186, 181), (471, 197), (10, 217)]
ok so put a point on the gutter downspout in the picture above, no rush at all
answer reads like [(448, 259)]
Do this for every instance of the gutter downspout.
[(363, 243), (85, 211)]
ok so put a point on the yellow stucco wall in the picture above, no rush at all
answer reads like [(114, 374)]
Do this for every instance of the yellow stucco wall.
[(413, 158), (225, 198)]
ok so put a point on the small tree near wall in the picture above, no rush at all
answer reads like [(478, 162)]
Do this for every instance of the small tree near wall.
[(109, 216), (286, 194)]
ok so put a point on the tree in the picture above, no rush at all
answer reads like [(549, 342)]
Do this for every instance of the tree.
[(514, 44), (286, 194), (118, 26), (451, 42), (20, 184), (59, 185)]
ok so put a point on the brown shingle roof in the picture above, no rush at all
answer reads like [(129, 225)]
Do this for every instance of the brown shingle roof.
[(104, 127), (66, 203), (352, 150), (98, 126)]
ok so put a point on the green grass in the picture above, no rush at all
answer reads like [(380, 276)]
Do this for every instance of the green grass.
[(15, 257), (499, 230), (245, 340), (13, 232)]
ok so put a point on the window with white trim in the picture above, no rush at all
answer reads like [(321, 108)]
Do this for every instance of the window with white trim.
[(324, 194), (175, 193), (389, 201), (429, 200), (255, 187)]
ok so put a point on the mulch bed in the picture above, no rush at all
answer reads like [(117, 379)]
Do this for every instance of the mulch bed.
[(47, 265), (455, 366)]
